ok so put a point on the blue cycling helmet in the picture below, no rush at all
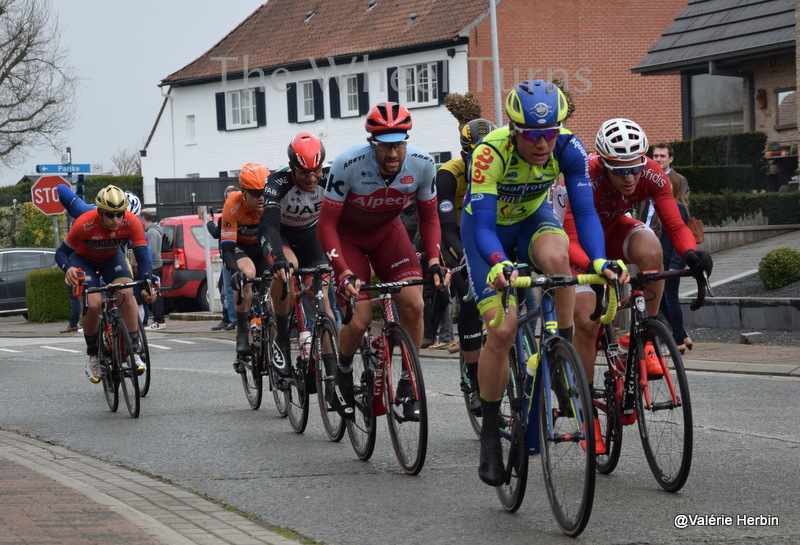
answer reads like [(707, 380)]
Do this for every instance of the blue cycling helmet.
[(134, 204), (535, 103)]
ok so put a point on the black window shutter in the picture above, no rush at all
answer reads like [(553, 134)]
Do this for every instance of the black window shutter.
[(261, 107), (291, 101), (393, 82), (223, 173), (445, 156), (363, 95), (333, 89), (220, 98), (319, 101), (442, 77)]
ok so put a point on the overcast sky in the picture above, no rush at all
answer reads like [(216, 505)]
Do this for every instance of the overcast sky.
[(121, 51)]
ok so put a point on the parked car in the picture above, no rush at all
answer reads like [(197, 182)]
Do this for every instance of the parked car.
[(15, 264), (183, 273)]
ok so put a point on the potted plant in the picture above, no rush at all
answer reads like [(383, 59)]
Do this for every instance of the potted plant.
[(771, 146)]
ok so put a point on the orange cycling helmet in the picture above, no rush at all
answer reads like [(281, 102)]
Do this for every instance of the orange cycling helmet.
[(306, 152), (253, 176), (388, 122)]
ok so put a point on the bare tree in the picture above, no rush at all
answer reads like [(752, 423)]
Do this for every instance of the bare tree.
[(126, 163), (37, 85)]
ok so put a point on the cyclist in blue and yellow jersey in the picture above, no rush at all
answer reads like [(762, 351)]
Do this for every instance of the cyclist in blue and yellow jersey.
[(451, 185), (506, 217)]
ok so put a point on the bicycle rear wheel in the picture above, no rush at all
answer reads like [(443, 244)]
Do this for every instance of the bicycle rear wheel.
[(361, 428), (466, 388), (144, 379), (406, 404), (109, 377), (125, 367), (606, 404), (271, 354), (512, 433), (664, 410), (325, 356), (566, 436)]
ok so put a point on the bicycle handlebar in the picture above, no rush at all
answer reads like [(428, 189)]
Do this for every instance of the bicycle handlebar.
[(638, 281), (384, 287), (549, 281)]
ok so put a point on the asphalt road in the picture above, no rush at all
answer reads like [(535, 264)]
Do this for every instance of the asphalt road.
[(197, 431)]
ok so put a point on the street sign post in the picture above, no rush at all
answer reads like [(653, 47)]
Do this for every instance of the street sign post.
[(64, 169), (44, 194)]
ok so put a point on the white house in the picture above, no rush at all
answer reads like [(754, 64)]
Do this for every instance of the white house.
[(287, 69)]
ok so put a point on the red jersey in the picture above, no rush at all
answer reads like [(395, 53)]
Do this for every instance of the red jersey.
[(239, 222), (90, 238), (612, 205)]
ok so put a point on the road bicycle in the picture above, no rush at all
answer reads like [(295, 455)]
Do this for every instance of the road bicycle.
[(264, 351), (144, 354), (547, 408), (118, 367), (648, 386), (313, 358), (388, 381)]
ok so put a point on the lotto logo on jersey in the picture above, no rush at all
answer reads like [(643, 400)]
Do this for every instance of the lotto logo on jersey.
[(481, 164)]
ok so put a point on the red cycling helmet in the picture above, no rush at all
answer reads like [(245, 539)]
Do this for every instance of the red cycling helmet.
[(253, 176), (306, 152), (388, 122)]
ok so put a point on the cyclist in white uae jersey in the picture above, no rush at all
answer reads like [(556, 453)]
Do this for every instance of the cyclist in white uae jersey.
[(359, 226)]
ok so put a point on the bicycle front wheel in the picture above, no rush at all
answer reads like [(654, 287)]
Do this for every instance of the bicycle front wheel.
[(566, 436), (361, 428), (125, 367), (325, 357), (663, 408), (144, 379), (467, 388), (512, 430), (107, 373), (296, 395), (406, 404), (250, 368)]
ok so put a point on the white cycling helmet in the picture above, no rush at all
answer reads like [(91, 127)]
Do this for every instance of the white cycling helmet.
[(134, 204), (621, 139)]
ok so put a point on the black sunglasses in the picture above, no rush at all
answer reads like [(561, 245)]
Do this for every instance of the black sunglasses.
[(113, 214), (255, 193)]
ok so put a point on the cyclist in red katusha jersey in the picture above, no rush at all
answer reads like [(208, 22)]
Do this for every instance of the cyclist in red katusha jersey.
[(359, 227), (240, 247), (622, 177), (93, 245)]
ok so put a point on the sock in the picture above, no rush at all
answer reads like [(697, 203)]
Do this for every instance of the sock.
[(566, 332)]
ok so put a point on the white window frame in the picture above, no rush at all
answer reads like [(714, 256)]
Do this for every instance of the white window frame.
[(191, 137), (305, 101), (241, 107), (348, 96), (419, 83)]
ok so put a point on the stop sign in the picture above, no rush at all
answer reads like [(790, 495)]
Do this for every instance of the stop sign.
[(44, 194)]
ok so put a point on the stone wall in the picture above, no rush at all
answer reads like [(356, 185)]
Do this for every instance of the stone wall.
[(723, 238)]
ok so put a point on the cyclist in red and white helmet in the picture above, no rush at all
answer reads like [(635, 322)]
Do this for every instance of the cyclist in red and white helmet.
[(288, 226), (360, 228), (622, 177)]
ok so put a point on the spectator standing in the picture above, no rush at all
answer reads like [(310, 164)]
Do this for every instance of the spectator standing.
[(663, 154), (154, 235), (228, 322)]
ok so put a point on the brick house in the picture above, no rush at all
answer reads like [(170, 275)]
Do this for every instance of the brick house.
[(317, 67)]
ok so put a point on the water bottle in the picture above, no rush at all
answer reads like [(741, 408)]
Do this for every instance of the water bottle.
[(304, 340), (622, 353), (77, 289), (533, 364), (107, 334)]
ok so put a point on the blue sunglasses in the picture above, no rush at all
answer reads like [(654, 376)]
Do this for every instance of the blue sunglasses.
[(627, 170), (533, 135)]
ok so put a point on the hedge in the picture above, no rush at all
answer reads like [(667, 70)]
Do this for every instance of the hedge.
[(780, 208), (48, 299), (716, 179)]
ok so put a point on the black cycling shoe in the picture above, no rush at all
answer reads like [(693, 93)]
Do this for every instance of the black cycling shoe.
[(404, 397), (491, 470), (243, 343), (282, 362), (475, 403), (343, 399), (238, 366)]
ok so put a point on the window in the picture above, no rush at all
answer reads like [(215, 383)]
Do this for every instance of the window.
[(420, 83), (242, 108), (717, 105), (786, 109), (190, 138), (351, 94), (441, 156), (351, 99), (304, 101)]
